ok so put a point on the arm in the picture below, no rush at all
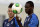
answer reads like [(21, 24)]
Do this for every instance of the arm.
[(19, 21), (16, 23)]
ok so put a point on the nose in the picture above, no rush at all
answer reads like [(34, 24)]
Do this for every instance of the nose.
[(10, 12)]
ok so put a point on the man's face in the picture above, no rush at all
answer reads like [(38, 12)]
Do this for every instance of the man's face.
[(27, 8), (10, 13)]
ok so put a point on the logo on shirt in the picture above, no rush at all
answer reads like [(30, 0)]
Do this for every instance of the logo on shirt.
[(8, 24), (12, 22)]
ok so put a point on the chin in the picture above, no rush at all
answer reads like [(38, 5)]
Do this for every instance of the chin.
[(10, 16)]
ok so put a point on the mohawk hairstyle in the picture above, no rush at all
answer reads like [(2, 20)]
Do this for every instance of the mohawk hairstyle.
[(10, 5)]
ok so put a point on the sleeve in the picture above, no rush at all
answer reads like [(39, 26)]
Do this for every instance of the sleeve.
[(33, 22)]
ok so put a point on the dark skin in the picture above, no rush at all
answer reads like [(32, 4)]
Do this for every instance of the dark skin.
[(29, 9), (19, 21)]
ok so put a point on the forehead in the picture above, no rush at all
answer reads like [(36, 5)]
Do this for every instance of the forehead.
[(27, 5), (9, 9)]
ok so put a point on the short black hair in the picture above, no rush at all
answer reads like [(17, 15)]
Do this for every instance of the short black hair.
[(10, 5), (31, 3)]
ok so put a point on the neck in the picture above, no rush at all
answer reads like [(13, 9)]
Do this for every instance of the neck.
[(10, 18), (30, 13)]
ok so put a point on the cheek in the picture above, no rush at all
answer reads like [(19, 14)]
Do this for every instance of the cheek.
[(12, 13), (8, 13), (26, 9)]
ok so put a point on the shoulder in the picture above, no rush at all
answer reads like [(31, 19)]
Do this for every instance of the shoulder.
[(5, 20), (34, 16)]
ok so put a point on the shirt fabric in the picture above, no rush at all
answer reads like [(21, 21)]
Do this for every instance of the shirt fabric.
[(31, 21), (12, 23)]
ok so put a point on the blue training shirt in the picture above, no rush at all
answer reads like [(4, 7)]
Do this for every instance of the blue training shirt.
[(12, 23), (31, 21)]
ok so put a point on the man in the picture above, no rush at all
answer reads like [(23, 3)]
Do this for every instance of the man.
[(11, 22), (32, 19)]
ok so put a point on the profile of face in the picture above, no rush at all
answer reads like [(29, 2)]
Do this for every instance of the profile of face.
[(10, 13), (28, 8)]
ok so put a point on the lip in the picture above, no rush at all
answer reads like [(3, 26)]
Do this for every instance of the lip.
[(10, 15)]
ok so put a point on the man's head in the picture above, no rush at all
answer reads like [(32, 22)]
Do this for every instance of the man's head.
[(29, 6), (10, 13)]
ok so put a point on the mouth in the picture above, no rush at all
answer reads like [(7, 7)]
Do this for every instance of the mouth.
[(10, 15)]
